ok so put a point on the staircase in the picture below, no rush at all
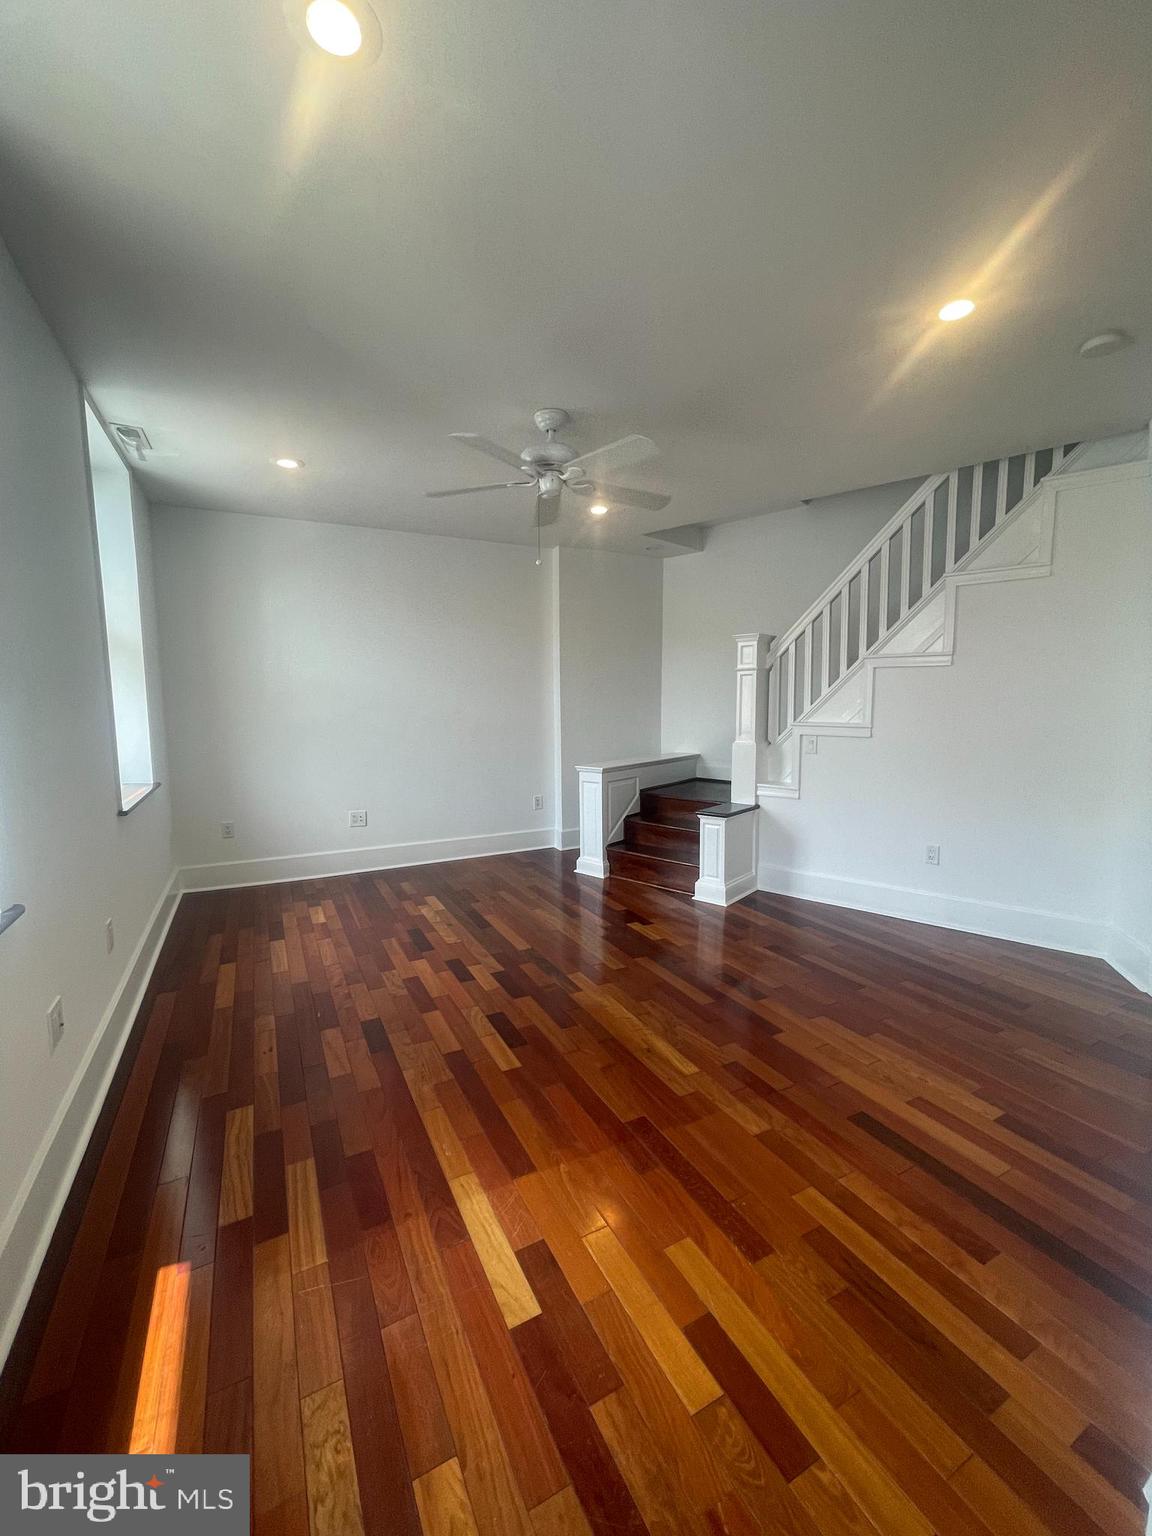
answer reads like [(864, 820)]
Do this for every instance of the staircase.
[(893, 606), (661, 842)]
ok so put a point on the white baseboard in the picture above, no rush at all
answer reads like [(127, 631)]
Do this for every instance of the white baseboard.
[(567, 837), (28, 1228), (1131, 958), (997, 920), (715, 893), (356, 861)]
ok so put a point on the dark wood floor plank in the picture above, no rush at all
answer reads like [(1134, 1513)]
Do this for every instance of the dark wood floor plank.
[(481, 1196)]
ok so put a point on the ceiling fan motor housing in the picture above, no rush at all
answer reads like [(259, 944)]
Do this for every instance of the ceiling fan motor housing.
[(548, 455)]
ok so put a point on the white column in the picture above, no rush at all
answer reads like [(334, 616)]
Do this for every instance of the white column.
[(751, 727), (729, 837), (593, 839)]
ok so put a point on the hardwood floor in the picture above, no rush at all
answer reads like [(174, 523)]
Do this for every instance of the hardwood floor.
[(477, 1197)]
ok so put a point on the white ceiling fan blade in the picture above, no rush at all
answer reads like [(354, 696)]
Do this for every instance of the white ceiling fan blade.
[(466, 490), (617, 455), (547, 510), (626, 495), (486, 445)]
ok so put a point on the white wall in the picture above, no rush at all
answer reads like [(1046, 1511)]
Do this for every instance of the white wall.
[(607, 666), (312, 669), (759, 574), (64, 851), (1028, 760)]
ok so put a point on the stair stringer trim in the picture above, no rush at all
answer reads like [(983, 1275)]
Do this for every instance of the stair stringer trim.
[(927, 633)]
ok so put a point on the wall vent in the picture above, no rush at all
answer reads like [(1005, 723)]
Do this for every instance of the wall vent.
[(134, 439)]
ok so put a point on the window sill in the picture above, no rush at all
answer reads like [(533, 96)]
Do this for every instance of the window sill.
[(132, 795)]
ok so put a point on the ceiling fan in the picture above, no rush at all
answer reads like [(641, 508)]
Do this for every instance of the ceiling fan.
[(551, 467)]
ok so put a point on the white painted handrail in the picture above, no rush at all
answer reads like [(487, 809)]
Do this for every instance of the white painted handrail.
[(940, 526)]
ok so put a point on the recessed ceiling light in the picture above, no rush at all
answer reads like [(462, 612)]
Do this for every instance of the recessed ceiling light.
[(346, 30), (335, 27), (288, 463), (956, 309), (598, 510)]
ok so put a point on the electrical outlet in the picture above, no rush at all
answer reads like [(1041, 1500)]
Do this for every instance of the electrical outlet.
[(811, 745), (932, 853), (109, 936), (55, 1024), (537, 802), (227, 829), (357, 818)]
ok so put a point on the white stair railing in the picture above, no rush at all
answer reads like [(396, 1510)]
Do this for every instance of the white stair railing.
[(938, 528)]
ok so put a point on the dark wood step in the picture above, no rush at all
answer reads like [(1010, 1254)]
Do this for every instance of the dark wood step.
[(665, 839), (678, 805), (672, 874)]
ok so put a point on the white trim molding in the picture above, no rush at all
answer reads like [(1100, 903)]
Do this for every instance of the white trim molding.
[(997, 920), (1130, 957), (610, 791), (27, 1229), (1026, 925), (357, 861)]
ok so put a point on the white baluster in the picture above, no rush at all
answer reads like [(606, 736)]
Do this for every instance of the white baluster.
[(806, 695), (1029, 473), (905, 573), (864, 580), (950, 536), (926, 547), (974, 510), (844, 593)]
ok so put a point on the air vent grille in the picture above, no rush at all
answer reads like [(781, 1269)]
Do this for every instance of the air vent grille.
[(134, 439)]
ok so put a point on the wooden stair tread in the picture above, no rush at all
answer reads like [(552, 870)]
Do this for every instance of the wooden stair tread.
[(704, 791), (651, 869), (680, 804), (645, 853), (661, 840), (665, 839)]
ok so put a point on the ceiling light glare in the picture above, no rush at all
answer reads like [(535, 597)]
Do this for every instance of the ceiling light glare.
[(599, 510), (957, 309), (288, 463), (335, 27)]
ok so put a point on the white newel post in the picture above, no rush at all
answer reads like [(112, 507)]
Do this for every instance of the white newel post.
[(751, 693), (611, 791), (728, 847)]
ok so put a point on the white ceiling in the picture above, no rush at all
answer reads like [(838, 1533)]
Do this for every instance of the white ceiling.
[(727, 225)]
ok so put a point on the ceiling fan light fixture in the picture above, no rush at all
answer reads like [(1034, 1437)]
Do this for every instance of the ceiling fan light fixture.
[(552, 467)]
